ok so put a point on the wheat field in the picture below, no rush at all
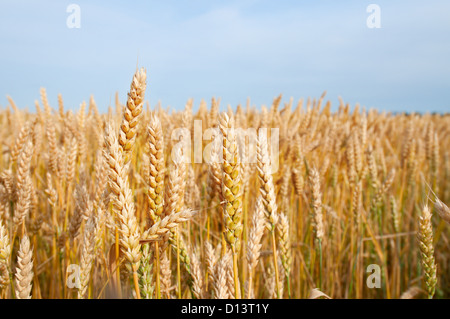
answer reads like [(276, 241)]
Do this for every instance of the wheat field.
[(139, 203)]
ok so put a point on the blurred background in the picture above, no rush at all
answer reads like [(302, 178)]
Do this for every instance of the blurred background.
[(228, 49)]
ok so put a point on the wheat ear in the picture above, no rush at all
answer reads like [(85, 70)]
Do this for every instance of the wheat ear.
[(166, 274), (131, 113), (21, 139), (425, 237), (51, 134), (285, 248), (24, 185), (267, 191), (146, 273), (317, 221), (231, 190), (162, 228), (24, 269), (220, 278), (254, 242), (156, 171), (124, 207), (5, 251), (197, 276), (442, 210), (87, 256)]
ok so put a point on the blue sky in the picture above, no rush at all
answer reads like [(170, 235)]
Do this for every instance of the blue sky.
[(228, 49)]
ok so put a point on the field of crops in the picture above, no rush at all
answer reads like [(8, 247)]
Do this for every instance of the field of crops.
[(287, 200)]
